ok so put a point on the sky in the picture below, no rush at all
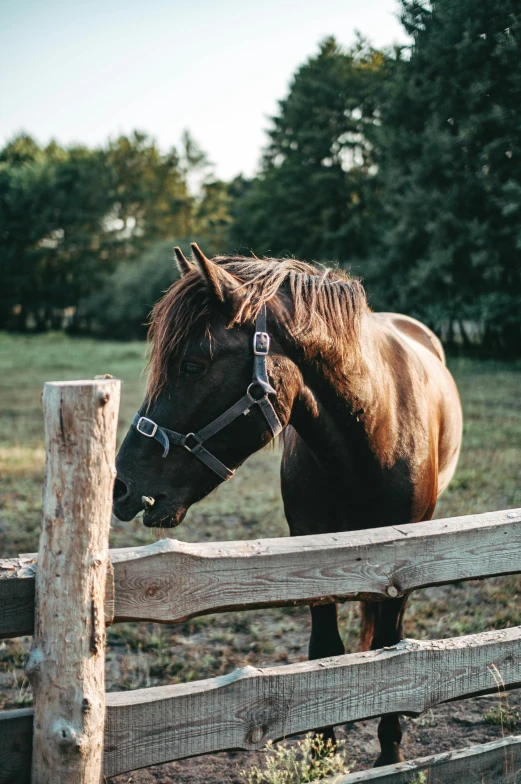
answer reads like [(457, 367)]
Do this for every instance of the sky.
[(88, 70)]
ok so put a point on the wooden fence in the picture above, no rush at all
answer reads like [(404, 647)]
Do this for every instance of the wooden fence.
[(80, 587)]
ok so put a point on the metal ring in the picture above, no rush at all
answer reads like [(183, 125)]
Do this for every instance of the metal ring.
[(198, 442), (256, 384)]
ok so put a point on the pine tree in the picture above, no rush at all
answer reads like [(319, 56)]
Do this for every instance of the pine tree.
[(313, 196), (450, 170)]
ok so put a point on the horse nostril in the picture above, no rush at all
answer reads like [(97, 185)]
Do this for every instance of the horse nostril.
[(120, 489)]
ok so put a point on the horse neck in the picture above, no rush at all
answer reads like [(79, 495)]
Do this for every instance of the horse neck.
[(337, 401)]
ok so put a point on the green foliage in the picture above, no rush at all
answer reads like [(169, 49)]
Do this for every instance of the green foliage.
[(450, 170), (213, 217), (52, 204), (502, 717), (68, 216), (120, 307), (311, 759), (313, 196), (150, 194), (404, 165)]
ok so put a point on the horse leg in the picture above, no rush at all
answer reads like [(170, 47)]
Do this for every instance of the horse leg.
[(325, 641), (369, 616), (389, 631)]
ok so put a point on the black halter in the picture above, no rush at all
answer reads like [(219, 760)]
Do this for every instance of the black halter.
[(194, 441)]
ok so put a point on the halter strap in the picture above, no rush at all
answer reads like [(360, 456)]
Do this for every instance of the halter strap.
[(193, 442)]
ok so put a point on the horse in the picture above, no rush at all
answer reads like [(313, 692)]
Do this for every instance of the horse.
[(370, 415)]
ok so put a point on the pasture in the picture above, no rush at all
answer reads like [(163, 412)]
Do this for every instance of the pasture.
[(487, 479)]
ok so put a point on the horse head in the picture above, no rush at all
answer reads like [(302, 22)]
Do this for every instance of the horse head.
[(212, 357)]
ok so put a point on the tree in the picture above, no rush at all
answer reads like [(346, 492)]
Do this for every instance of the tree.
[(450, 170), (150, 192), (67, 216), (52, 203), (314, 193), (119, 308)]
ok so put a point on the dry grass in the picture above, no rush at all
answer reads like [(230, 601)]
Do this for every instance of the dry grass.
[(149, 654)]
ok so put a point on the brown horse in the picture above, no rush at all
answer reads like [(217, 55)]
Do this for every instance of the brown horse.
[(371, 414)]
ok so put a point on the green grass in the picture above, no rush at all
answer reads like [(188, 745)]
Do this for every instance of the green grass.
[(488, 478)]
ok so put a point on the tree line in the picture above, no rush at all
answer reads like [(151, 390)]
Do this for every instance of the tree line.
[(400, 164)]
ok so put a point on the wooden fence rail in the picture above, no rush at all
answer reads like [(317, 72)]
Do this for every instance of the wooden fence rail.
[(498, 762), (252, 705), (82, 587), (171, 581)]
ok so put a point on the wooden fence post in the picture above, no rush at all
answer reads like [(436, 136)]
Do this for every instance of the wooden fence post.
[(66, 665)]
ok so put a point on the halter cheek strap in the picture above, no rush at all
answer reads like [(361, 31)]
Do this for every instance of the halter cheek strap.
[(193, 442)]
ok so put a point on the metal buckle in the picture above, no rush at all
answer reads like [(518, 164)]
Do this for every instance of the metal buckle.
[(143, 432), (264, 349), (198, 442)]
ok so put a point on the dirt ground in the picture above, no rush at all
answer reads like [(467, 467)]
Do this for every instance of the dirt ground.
[(445, 727)]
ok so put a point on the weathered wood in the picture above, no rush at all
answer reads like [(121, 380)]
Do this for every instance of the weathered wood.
[(66, 665), (16, 738), (246, 708), (17, 596), (171, 581), (498, 762)]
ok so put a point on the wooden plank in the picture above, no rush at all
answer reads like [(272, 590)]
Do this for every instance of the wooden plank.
[(16, 740), (498, 762), (17, 596), (171, 581), (66, 666), (246, 708)]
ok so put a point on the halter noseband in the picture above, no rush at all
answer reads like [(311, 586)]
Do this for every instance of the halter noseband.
[(193, 442)]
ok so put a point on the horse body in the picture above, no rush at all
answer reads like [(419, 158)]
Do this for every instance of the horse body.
[(375, 448), (372, 415), (376, 444)]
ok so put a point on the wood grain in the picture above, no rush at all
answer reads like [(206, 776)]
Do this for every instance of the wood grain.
[(246, 708), (66, 665), (150, 726), (171, 581), (498, 762)]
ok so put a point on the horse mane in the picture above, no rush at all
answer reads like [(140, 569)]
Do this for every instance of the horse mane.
[(325, 307)]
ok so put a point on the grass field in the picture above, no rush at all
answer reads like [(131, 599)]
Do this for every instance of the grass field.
[(488, 478)]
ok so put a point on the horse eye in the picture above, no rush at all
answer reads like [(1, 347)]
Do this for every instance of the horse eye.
[(191, 368)]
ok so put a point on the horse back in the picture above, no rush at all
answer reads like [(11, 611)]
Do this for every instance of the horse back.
[(413, 331)]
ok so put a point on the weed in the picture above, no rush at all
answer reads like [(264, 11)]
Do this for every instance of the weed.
[(23, 695), (502, 715), (13, 653), (134, 672), (420, 778), (310, 759), (426, 720)]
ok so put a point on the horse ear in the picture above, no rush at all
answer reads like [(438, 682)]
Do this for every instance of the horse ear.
[(183, 264), (220, 282)]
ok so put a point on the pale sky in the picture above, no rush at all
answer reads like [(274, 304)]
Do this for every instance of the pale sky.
[(89, 70)]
